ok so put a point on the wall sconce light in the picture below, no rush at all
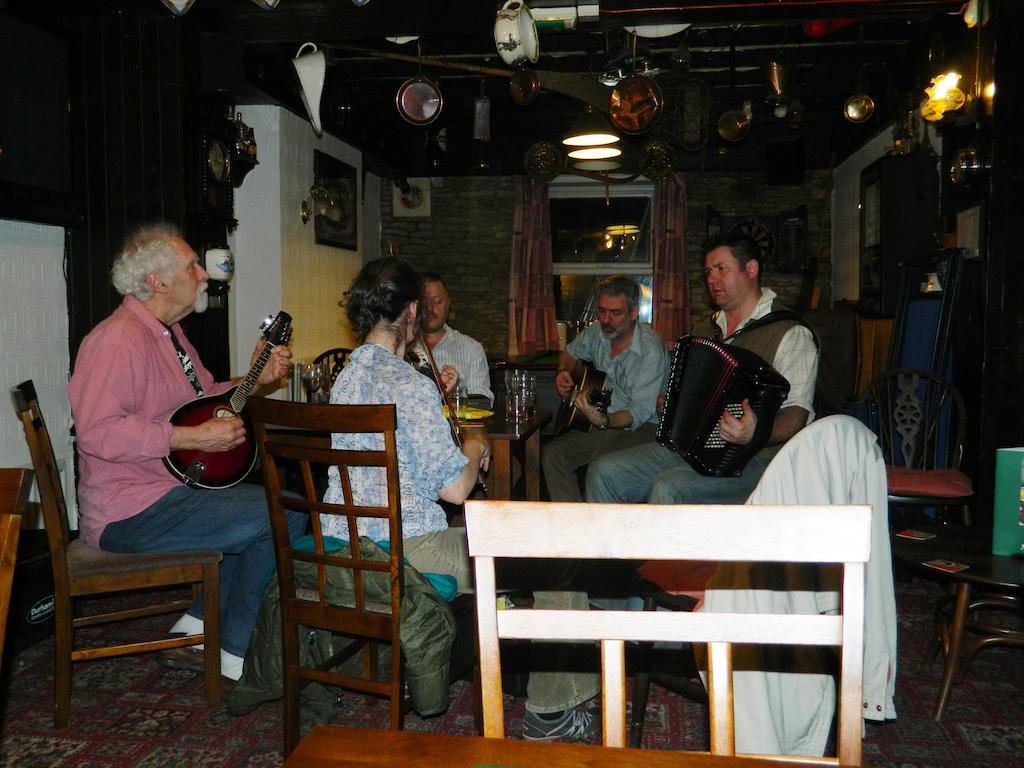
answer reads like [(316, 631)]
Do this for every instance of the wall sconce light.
[(944, 95), (320, 203), (311, 68)]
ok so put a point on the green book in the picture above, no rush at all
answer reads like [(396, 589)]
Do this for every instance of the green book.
[(1008, 503)]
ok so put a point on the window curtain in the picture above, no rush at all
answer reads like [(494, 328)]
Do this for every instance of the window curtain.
[(671, 311), (531, 297)]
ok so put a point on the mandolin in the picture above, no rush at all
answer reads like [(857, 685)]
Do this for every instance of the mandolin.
[(224, 469), (589, 383)]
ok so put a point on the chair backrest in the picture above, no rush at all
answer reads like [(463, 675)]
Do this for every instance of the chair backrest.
[(15, 485), (813, 534), (919, 418), (336, 359), (51, 493), (295, 449)]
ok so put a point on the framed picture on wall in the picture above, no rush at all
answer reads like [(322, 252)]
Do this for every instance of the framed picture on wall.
[(411, 199), (336, 208)]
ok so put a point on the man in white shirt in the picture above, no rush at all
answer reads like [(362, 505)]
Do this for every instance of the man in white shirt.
[(655, 474), (448, 346)]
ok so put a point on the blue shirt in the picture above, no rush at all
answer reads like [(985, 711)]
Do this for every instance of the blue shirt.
[(636, 377), (428, 459)]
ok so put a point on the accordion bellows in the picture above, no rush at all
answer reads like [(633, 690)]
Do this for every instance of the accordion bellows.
[(705, 379)]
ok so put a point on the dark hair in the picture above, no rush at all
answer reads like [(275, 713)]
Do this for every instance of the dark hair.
[(742, 247), (620, 285), (381, 290), (432, 277)]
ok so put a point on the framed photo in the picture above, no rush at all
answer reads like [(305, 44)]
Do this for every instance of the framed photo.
[(414, 202), (336, 223), (968, 232)]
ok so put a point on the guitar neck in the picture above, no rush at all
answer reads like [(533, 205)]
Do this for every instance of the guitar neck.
[(248, 385)]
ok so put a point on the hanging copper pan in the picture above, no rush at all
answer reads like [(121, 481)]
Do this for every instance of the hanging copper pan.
[(635, 104), (524, 87), (419, 100)]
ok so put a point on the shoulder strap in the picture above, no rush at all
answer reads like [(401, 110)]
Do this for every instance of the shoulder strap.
[(776, 316)]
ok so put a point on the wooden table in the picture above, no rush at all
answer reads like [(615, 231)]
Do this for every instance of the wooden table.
[(503, 437), (991, 582), (333, 746)]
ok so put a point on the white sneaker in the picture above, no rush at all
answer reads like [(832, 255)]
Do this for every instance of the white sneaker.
[(188, 625), (230, 665)]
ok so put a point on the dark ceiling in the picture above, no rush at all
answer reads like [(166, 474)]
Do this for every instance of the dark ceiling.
[(829, 48)]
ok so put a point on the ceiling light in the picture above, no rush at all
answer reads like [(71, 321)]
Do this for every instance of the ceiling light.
[(620, 230), (595, 153), (590, 130), (597, 165)]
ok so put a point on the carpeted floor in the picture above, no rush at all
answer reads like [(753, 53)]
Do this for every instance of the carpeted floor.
[(132, 712)]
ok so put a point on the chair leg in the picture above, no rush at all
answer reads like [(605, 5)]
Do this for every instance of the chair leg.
[(641, 692), (64, 637), (211, 633), (292, 714)]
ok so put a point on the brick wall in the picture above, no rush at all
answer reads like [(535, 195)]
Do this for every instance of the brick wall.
[(467, 238)]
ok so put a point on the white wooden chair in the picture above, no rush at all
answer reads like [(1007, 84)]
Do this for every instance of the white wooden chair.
[(809, 534)]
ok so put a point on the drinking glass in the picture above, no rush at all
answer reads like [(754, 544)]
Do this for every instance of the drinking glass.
[(314, 375)]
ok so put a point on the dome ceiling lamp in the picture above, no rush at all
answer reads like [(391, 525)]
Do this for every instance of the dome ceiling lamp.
[(591, 141)]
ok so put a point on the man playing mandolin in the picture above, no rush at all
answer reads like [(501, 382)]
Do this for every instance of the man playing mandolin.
[(132, 371), (635, 364)]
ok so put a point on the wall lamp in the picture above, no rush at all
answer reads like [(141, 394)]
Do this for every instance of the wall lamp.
[(320, 203), (944, 95)]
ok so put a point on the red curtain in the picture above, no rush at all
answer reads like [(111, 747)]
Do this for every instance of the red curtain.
[(531, 297), (671, 312)]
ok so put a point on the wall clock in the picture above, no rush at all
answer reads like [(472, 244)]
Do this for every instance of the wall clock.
[(216, 194)]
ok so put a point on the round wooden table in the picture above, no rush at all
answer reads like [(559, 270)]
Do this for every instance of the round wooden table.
[(989, 583)]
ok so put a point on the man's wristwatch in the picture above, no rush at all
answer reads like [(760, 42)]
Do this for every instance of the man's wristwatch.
[(607, 423)]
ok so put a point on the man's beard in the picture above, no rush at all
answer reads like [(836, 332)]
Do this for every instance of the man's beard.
[(202, 299)]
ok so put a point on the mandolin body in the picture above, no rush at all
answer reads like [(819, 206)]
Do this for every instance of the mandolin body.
[(202, 469)]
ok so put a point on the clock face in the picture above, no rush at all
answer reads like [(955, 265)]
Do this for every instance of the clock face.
[(217, 160)]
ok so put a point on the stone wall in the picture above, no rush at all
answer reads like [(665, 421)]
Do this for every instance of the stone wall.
[(467, 238)]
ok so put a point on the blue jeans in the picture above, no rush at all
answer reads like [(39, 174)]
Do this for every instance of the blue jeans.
[(654, 474), (234, 521)]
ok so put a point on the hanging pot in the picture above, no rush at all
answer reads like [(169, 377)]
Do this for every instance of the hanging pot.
[(635, 104), (734, 124), (419, 100), (524, 87)]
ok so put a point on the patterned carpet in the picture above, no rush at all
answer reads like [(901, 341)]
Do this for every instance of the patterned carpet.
[(132, 712)]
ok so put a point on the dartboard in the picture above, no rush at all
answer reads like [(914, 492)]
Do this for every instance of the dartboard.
[(762, 234)]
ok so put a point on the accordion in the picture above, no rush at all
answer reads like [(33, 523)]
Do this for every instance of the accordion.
[(705, 379)]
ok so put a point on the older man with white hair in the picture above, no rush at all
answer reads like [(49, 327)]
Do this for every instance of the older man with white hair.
[(132, 372)]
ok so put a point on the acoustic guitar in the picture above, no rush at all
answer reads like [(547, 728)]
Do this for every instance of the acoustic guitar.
[(223, 469), (589, 382)]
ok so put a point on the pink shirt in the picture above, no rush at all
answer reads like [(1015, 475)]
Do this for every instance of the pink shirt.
[(127, 382)]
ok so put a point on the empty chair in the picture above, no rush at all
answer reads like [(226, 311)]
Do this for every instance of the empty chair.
[(14, 487), (79, 571), (335, 359), (814, 534), (920, 421)]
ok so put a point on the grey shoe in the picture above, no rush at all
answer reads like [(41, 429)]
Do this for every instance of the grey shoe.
[(574, 724)]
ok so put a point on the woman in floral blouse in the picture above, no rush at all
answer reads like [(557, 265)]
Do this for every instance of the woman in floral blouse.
[(383, 308)]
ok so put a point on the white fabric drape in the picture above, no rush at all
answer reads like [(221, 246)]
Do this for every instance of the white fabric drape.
[(835, 460)]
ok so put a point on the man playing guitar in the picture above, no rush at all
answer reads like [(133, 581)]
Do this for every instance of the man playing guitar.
[(132, 371), (635, 363)]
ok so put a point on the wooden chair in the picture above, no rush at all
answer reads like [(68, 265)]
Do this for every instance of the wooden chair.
[(818, 534), (15, 485), (301, 441), (336, 359), (920, 420), (79, 571)]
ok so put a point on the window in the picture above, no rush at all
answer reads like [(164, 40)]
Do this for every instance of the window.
[(592, 238)]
